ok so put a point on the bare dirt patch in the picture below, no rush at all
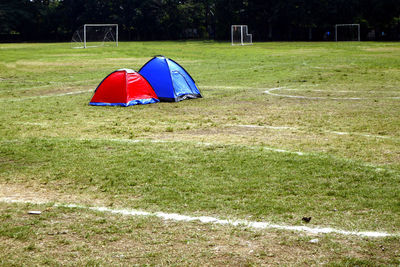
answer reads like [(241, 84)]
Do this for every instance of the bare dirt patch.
[(40, 193)]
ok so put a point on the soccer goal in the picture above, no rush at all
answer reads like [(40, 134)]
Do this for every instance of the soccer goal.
[(95, 35), (347, 32), (240, 35)]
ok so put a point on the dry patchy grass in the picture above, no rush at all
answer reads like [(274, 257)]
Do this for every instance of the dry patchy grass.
[(233, 80), (70, 237)]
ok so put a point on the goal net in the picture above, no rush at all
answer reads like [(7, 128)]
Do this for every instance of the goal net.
[(347, 32), (240, 35), (95, 35)]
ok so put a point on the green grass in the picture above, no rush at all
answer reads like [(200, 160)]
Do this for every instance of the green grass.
[(222, 180), (65, 150)]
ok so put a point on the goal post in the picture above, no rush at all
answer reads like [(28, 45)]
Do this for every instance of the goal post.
[(240, 35), (347, 32), (95, 35)]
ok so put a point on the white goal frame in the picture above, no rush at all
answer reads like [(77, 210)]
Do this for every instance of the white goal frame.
[(346, 25), (245, 37), (96, 25), (83, 39)]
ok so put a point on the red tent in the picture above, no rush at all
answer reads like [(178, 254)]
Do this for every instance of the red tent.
[(124, 87)]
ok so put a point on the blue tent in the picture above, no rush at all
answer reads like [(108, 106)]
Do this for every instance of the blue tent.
[(170, 81)]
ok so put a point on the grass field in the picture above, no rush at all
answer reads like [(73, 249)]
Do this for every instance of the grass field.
[(285, 130)]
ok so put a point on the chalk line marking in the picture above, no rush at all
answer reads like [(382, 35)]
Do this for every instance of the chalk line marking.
[(297, 129), (133, 141), (338, 91), (45, 96), (57, 84), (361, 134), (198, 143), (222, 87), (263, 126), (207, 219), (92, 90), (33, 123), (28, 123), (270, 92), (159, 141), (376, 168)]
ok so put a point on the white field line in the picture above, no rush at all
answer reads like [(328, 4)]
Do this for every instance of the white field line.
[(297, 129), (38, 123), (270, 92), (294, 89), (223, 87), (253, 126), (338, 91), (32, 123), (361, 134), (57, 84), (263, 126), (209, 220), (197, 143), (86, 91), (133, 141), (44, 96)]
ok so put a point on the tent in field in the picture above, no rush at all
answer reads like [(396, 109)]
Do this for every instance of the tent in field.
[(124, 87), (170, 81)]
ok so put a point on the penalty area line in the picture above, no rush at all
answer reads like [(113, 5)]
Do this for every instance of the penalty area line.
[(208, 220)]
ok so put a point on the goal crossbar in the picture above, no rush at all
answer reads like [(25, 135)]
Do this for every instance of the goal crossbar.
[(100, 25)]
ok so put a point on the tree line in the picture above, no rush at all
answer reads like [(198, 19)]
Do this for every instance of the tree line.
[(268, 20)]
